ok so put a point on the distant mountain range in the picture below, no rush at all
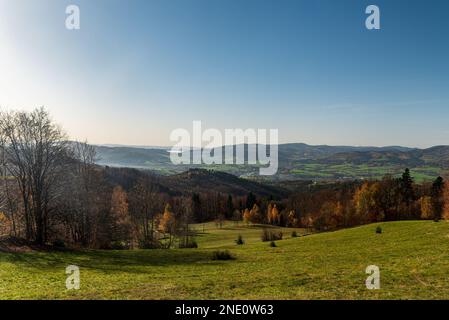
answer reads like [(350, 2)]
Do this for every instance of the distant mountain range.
[(299, 161)]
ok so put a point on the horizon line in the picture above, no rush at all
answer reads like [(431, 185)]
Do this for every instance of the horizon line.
[(118, 145)]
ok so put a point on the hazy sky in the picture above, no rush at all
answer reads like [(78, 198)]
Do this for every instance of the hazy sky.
[(139, 69)]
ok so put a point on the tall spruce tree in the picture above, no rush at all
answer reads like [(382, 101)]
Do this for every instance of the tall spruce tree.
[(196, 208), (407, 192), (250, 201), (437, 197), (229, 207)]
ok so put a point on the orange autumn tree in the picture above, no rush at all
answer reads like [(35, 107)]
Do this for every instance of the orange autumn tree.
[(246, 216), (330, 216), (427, 210), (254, 214), (275, 215), (167, 225), (121, 226), (445, 196), (365, 203), (4, 224), (269, 211)]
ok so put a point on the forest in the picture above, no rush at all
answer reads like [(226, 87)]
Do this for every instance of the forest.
[(54, 193)]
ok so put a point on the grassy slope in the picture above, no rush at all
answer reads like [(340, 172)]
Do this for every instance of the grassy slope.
[(413, 257)]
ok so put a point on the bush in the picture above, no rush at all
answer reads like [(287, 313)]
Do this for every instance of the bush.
[(189, 245), (268, 235), (378, 230), (273, 244), (436, 220), (149, 244), (239, 240), (59, 243), (222, 255), (119, 245), (294, 234)]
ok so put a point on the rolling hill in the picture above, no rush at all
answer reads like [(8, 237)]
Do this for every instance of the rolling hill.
[(300, 161), (197, 181), (203, 181), (412, 257)]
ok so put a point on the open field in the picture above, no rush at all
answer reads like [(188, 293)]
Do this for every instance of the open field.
[(413, 257), (315, 171)]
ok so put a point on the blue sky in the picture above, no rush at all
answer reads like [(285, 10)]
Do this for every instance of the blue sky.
[(136, 70)]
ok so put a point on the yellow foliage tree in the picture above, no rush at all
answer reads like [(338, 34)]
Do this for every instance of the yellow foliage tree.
[(426, 207), (269, 212), (4, 224), (167, 225), (445, 214), (365, 204), (121, 220), (275, 216), (168, 222), (254, 214), (246, 216)]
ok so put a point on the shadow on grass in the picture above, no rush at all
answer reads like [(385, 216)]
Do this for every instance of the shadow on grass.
[(133, 261)]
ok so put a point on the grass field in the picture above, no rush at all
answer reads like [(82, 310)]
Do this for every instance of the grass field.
[(361, 171), (413, 257)]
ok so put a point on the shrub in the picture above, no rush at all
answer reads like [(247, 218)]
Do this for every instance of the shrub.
[(273, 244), (294, 234), (268, 235), (436, 220), (119, 245), (222, 255), (193, 244), (189, 244), (378, 230), (239, 240), (149, 244), (59, 243)]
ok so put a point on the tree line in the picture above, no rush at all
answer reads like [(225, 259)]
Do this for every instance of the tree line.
[(52, 192)]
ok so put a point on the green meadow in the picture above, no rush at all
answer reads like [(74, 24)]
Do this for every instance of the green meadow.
[(413, 257), (361, 171)]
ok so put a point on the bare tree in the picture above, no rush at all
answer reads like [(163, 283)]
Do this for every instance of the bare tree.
[(145, 202), (35, 154), (83, 189)]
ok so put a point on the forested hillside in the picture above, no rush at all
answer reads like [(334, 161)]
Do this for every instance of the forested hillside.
[(53, 192)]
